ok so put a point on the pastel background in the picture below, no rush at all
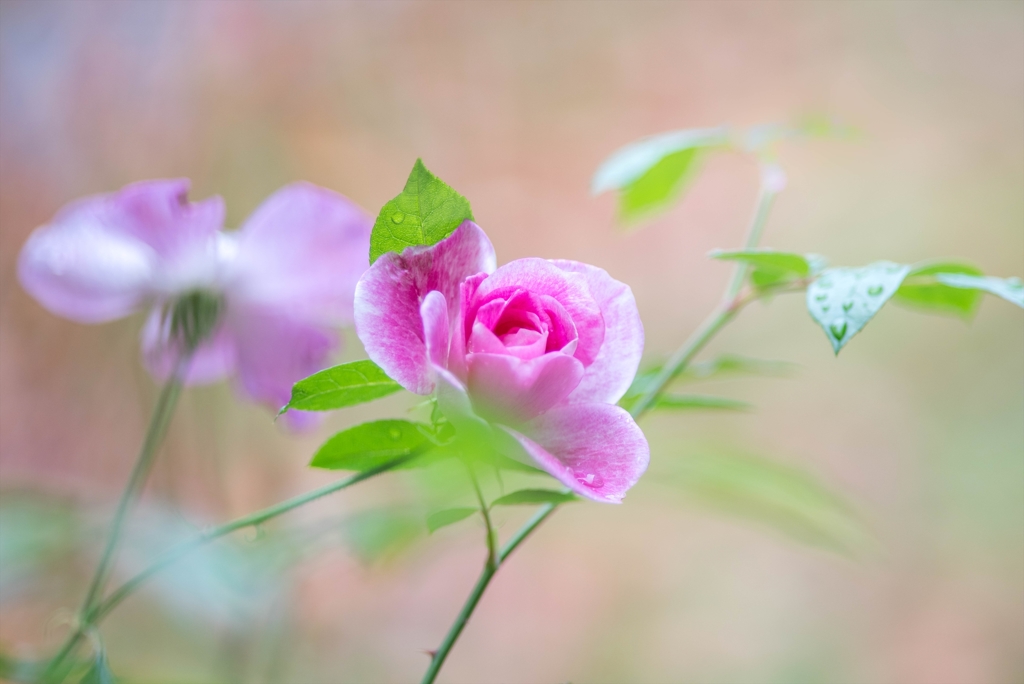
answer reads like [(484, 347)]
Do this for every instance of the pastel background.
[(919, 424)]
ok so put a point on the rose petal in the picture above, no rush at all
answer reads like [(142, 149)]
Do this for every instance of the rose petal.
[(387, 301), (597, 450), (540, 277), (611, 373), (303, 250), (508, 389), (213, 360), (434, 314)]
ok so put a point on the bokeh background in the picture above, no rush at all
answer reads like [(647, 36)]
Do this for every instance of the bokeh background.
[(918, 426)]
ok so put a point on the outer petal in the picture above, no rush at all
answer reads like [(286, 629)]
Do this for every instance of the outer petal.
[(436, 331), (158, 213), (597, 450), (608, 378), (387, 301), (508, 389), (276, 350), (214, 359), (303, 250), (541, 277)]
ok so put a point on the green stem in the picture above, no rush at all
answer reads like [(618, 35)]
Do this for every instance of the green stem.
[(492, 535), (158, 423), (731, 305)]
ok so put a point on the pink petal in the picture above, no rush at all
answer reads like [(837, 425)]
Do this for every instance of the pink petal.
[(213, 360), (611, 373), (434, 314), (511, 390), (101, 257), (597, 450), (387, 301), (275, 350), (540, 277), (303, 250)]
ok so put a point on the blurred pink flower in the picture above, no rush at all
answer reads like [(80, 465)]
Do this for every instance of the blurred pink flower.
[(540, 349), (285, 280)]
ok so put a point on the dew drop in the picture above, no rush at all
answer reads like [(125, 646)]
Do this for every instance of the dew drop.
[(847, 306), (875, 290), (397, 217), (395, 434), (821, 298), (838, 329), (825, 309), (590, 480)]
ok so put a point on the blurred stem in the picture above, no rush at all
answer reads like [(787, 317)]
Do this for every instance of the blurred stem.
[(732, 302), (155, 432)]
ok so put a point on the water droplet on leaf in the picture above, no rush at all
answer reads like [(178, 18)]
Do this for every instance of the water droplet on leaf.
[(875, 290), (838, 329), (397, 217), (395, 434), (821, 297), (847, 306)]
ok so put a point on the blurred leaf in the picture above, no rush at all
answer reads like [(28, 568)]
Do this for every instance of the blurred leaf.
[(34, 532), (381, 533), (921, 289), (783, 496), (651, 173), (696, 401), (345, 385), (526, 497), (723, 366), (843, 300), (770, 267), (426, 212), (100, 672), (436, 521), (1010, 289), (371, 444)]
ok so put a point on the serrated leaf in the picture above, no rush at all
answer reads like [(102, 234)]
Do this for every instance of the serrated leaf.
[(426, 212), (921, 289), (843, 300), (770, 267), (344, 385), (1010, 289), (371, 445), (525, 497), (696, 401), (436, 521), (651, 173), (785, 497)]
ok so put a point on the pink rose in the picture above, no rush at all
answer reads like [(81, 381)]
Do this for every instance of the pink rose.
[(540, 350), (284, 281)]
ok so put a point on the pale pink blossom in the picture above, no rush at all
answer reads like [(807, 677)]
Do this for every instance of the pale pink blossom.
[(285, 280), (536, 352)]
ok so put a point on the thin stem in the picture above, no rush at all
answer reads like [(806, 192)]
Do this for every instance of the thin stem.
[(731, 305), (492, 536), (158, 423)]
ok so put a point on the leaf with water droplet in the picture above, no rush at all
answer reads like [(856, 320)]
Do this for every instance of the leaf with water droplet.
[(652, 173), (841, 300), (372, 444), (424, 213), (527, 497), (922, 289), (343, 385), (770, 267), (450, 516), (1010, 289)]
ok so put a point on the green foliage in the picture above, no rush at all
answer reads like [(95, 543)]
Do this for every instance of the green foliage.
[(782, 496), (450, 516), (696, 401), (769, 267), (426, 212), (34, 533), (380, 534), (100, 672), (723, 366), (344, 385), (922, 289), (372, 444), (651, 173), (526, 497), (843, 300), (1010, 289)]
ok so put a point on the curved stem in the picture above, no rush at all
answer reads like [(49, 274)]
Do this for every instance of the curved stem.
[(158, 423), (492, 535)]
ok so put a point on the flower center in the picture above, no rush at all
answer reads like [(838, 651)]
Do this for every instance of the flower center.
[(193, 317)]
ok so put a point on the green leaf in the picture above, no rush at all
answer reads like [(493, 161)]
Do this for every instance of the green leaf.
[(696, 401), (371, 445), (922, 289), (785, 497), (651, 173), (100, 672), (345, 385), (771, 267), (525, 497), (426, 212), (843, 300), (382, 533), (436, 521), (1010, 289)]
